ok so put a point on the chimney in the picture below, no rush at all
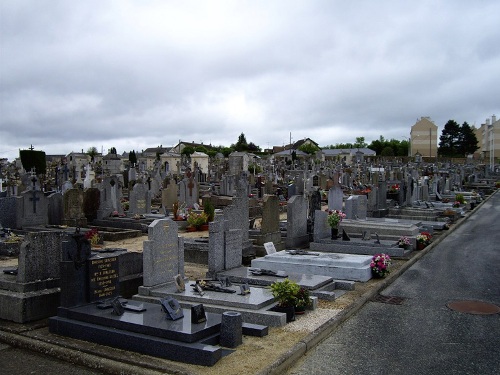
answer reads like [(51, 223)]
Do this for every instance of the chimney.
[(487, 122), (493, 119)]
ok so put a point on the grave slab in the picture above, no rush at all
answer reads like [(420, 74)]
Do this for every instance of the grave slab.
[(335, 265)]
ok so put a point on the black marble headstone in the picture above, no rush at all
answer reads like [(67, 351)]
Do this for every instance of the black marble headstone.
[(198, 314)]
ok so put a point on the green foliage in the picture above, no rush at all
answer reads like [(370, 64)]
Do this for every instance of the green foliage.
[(92, 152), (209, 210), (387, 151), (226, 151), (188, 150), (132, 157), (449, 140), (33, 159), (254, 168), (285, 292), (211, 153), (242, 144), (309, 148), (391, 147), (360, 142), (201, 149), (468, 140)]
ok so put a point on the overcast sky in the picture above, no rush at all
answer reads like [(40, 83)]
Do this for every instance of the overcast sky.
[(138, 74)]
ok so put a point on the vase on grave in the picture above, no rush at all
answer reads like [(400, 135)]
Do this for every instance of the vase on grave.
[(335, 233), (420, 245)]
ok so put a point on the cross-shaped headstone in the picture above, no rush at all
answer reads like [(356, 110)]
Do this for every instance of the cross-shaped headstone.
[(34, 198)]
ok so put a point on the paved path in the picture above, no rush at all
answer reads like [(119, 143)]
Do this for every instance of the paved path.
[(422, 335)]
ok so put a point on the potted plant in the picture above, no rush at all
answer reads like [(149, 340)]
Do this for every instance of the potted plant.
[(196, 220), (423, 239), (404, 242), (93, 237), (380, 265), (334, 218), (302, 300), (285, 292), (209, 210)]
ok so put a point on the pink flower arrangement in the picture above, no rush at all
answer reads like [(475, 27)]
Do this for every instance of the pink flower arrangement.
[(380, 264), (335, 217)]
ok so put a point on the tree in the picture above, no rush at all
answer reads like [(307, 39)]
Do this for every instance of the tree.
[(92, 152), (132, 157), (253, 147), (360, 142), (456, 140), (309, 148), (242, 144), (188, 151), (468, 140)]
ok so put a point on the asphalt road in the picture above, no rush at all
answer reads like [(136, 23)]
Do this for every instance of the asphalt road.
[(423, 335)]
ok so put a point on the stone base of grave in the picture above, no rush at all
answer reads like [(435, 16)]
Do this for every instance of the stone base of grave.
[(148, 331), (335, 265), (27, 302), (254, 307), (323, 287), (358, 246)]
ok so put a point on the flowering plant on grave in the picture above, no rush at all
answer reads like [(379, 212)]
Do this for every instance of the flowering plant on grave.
[(380, 264), (335, 217), (197, 220), (456, 204), (93, 237), (460, 198), (302, 298), (424, 237), (394, 188), (404, 241)]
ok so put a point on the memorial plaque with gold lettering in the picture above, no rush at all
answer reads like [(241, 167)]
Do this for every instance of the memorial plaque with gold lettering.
[(103, 278)]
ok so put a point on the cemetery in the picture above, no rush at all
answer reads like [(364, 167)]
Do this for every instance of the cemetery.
[(315, 225)]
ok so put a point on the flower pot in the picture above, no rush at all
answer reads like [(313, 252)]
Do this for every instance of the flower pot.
[(191, 229), (289, 310), (420, 245), (299, 310), (335, 233), (204, 227)]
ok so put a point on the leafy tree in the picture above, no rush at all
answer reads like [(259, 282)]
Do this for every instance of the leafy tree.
[(211, 153), (226, 151), (449, 141), (253, 147), (112, 150), (360, 142), (387, 151), (201, 149), (242, 144), (132, 157), (309, 148), (188, 151), (92, 152), (468, 140)]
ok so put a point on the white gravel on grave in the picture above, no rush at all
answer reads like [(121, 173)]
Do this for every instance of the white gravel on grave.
[(311, 320)]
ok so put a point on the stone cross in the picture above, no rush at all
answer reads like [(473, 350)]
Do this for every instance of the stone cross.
[(34, 198)]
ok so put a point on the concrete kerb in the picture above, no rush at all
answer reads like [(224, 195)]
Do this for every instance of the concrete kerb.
[(287, 359), (101, 362)]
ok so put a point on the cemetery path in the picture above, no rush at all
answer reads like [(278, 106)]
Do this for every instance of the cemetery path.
[(428, 333)]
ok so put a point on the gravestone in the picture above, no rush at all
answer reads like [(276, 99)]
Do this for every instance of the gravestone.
[(103, 276), (362, 207), (270, 248), (188, 191), (55, 209), (73, 214), (110, 197), (224, 247), (11, 212), (34, 209), (335, 196), (296, 234), (163, 255), (140, 200), (351, 207), (33, 293), (169, 195)]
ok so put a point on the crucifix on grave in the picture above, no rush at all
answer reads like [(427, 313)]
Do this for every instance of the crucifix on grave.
[(34, 199), (190, 184)]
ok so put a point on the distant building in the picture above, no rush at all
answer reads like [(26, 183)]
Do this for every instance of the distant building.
[(424, 138), (489, 140), (347, 155)]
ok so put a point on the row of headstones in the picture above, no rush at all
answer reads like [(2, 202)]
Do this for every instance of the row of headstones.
[(35, 208)]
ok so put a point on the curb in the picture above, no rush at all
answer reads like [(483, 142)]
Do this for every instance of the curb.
[(286, 360)]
